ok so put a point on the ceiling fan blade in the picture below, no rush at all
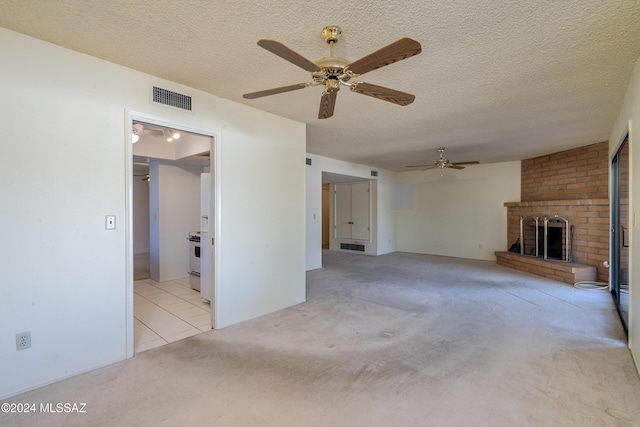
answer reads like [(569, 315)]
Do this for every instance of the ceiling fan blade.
[(422, 167), (284, 52), (454, 167), (327, 104), (396, 51), (274, 91), (475, 162), (384, 93)]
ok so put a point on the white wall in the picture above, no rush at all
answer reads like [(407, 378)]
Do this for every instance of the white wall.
[(63, 276), (313, 216), (422, 212), (175, 212), (629, 120), (260, 246), (459, 214), (384, 233), (140, 212)]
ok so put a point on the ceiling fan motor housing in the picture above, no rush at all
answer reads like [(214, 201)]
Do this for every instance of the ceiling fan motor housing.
[(331, 33)]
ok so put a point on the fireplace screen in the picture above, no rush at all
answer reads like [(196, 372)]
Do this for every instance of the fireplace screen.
[(529, 235), (556, 238), (547, 238)]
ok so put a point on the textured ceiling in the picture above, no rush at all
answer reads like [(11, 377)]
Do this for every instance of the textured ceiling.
[(496, 80)]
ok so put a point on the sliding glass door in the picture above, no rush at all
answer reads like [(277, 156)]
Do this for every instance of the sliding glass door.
[(620, 231)]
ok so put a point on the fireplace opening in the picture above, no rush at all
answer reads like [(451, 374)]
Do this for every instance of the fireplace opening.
[(554, 242)]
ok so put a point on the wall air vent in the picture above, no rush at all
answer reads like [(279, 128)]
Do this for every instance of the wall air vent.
[(309, 161), (172, 99), (374, 173), (352, 247)]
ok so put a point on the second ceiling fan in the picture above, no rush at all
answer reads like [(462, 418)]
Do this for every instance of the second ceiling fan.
[(442, 163), (332, 72)]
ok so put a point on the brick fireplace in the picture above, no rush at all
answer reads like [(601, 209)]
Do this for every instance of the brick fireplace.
[(573, 185)]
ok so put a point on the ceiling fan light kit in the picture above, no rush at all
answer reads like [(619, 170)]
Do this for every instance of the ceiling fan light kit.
[(333, 72)]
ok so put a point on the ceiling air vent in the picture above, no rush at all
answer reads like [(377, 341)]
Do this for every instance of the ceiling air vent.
[(173, 99)]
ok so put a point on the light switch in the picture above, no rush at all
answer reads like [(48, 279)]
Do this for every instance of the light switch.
[(110, 222)]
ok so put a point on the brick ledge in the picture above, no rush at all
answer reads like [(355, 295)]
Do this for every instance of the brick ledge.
[(567, 272)]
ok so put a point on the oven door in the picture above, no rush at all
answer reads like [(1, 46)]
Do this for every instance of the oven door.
[(194, 265), (194, 256)]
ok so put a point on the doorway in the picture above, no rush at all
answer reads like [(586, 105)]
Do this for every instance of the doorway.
[(620, 239), (173, 162), (331, 236)]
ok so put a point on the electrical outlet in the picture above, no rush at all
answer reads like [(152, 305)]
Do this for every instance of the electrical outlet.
[(23, 340)]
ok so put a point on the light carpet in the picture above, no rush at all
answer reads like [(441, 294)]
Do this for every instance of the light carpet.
[(396, 340)]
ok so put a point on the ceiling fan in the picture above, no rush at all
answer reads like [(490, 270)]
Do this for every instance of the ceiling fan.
[(442, 163), (144, 129), (141, 129), (332, 72)]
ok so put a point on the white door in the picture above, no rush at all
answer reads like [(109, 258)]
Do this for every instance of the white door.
[(343, 211), (360, 210), (353, 211)]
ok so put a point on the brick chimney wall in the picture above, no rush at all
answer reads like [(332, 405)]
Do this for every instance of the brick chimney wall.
[(582, 173)]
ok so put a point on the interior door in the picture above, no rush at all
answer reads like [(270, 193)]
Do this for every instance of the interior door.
[(620, 243), (342, 211), (360, 210)]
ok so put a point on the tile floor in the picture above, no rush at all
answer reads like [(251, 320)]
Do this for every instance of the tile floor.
[(167, 311)]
